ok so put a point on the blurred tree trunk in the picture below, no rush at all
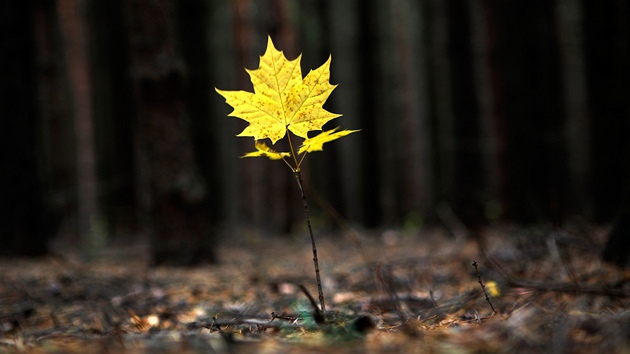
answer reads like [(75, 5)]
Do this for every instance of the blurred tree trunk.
[(193, 25), (74, 33), (367, 82), (617, 250), (389, 170), (469, 174), (571, 45), (607, 54), (442, 114), (414, 187), (343, 24), (58, 151), (488, 139), (460, 168), (22, 222), (173, 190), (528, 111), (113, 116), (222, 73)]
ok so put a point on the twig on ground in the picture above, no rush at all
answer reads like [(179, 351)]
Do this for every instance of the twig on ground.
[(291, 319), (483, 287), (215, 324)]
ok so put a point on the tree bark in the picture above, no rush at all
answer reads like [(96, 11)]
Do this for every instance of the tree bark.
[(617, 250), (571, 46), (344, 29), (607, 54), (174, 193), (74, 32), (367, 70), (21, 206), (415, 187), (193, 29), (469, 180), (113, 117), (528, 112)]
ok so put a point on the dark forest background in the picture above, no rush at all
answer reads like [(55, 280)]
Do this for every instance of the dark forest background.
[(478, 111)]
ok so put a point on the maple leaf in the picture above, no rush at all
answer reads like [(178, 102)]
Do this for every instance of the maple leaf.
[(263, 150), (282, 100), (316, 143)]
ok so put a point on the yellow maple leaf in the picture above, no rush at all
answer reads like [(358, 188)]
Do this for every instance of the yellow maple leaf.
[(316, 143), (282, 100), (263, 150)]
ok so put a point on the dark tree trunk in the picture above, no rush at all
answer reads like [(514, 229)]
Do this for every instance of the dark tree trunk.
[(528, 111), (413, 187), (617, 249), (343, 20), (58, 152), (21, 208), (368, 47), (193, 29), (113, 116), (74, 34), (174, 192), (469, 176), (607, 53)]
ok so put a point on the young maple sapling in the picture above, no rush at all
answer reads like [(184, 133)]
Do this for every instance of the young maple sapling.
[(286, 106)]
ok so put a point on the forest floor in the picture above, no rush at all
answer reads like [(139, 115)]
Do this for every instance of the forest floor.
[(386, 292)]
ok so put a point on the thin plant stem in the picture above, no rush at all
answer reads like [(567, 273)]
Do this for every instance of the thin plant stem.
[(483, 287), (296, 168), (298, 178)]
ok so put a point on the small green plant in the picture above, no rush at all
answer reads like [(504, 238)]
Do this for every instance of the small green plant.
[(286, 106)]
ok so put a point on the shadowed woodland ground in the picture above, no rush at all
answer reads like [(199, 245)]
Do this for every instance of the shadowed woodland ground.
[(389, 292)]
